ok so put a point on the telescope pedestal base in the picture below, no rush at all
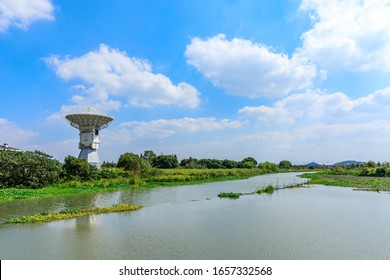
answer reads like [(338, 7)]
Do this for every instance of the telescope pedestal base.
[(91, 156)]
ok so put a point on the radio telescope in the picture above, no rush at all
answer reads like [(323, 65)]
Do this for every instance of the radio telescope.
[(89, 125)]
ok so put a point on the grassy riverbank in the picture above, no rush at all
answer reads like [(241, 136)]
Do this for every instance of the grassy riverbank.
[(164, 177), (350, 180), (72, 213)]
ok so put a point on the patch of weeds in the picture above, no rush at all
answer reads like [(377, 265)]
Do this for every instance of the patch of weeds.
[(230, 195), (268, 190)]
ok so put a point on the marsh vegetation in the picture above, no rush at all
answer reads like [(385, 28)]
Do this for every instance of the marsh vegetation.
[(368, 176), (230, 195), (72, 213)]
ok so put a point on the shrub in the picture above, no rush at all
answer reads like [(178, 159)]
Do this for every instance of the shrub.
[(130, 161), (285, 164), (249, 162), (268, 166), (135, 164), (77, 169), (28, 169), (107, 164), (166, 161), (380, 172)]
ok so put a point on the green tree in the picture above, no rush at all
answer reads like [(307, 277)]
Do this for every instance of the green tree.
[(249, 162), (380, 172), (189, 162), (107, 164), (130, 161), (134, 163), (28, 169), (149, 156), (268, 166), (211, 163), (227, 163), (285, 164), (77, 169), (166, 161)]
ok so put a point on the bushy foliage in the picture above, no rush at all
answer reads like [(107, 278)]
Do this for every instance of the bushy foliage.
[(134, 163), (149, 156), (268, 166), (107, 164), (227, 163), (246, 164), (166, 161), (27, 169), (78, 169), (249, 162), (189, 163), (211, 163), (130, 161), (380, 172), (285, 164)]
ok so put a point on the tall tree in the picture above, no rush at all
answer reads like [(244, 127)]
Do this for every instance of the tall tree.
[(285, 164), (166, 161)]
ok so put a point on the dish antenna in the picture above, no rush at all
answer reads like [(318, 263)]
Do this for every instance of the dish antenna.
[(89, 124)]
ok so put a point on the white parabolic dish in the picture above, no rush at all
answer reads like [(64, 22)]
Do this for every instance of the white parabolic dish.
[(88, 121)]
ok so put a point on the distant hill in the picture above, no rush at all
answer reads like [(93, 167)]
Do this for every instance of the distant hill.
[(313, 164), (347, 162)]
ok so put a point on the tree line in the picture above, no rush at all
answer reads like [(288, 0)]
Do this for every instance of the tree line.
[(36, 169), (131, 161)]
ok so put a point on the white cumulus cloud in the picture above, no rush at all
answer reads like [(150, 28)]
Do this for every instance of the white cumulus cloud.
[(163, 128), (109, 75), (12, 134), (22, 13), (324, 107), (348, 34), (242, 67)]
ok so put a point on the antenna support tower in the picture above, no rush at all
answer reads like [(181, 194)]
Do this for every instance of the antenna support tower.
[(89, 125)]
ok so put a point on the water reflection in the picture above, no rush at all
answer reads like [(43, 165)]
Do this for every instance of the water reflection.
[(190, 222), (15, 208)]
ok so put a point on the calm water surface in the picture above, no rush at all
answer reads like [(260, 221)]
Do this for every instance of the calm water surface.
[(191, 222)]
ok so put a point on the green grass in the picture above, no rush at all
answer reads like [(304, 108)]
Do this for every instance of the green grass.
[(72, 213), (67, 188), (349, 180), (165, 178)]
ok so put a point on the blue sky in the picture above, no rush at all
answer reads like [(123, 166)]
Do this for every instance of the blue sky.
[(298, 80)]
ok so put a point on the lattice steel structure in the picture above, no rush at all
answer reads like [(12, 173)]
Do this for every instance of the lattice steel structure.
[(89, 126)]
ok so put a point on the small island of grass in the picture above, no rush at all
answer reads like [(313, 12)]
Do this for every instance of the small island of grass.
[(230, 195), (268, 190), (72, 213)]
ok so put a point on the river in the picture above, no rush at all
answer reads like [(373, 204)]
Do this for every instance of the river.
[(191, 222)]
